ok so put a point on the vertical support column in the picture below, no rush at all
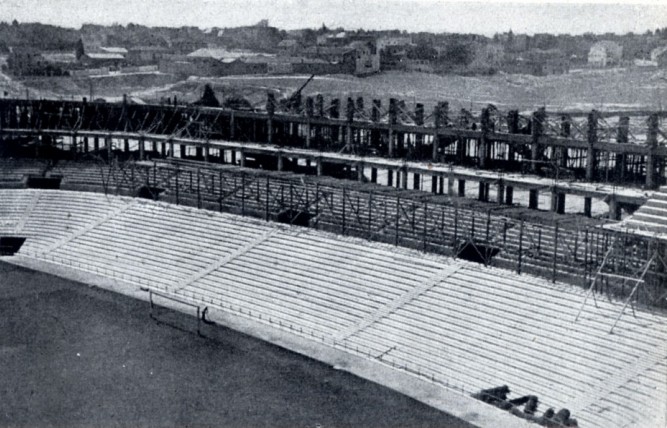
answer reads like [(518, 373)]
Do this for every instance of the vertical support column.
[(483, 148), (462, 188), (533, 199), (241, 157), (652, 143), (437, 123), (390, 177), (614, 208), (109, 143), (557, 201), (126, 145), (441, 185), (270, 111), (462, 142), (171, 148), (565, 131), (434, 184), (621, 158), (310, 108), (404, 177), (483, 193), (419, 137), (537, 130), (349, 118), (232, 126), (360, 172), (509, 195), (280, 161), (591, 155), (374, 175), (416, 181), (182, 150), (142, 143), (86, 147), (512, 128), (501, 192), (318, 165), (96, 143), (375, 118), (588, 202), (393, 111), (334, 113)]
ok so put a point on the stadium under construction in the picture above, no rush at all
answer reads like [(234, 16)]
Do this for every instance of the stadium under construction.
[(547, 286)]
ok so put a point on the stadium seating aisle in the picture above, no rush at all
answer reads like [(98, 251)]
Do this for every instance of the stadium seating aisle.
[(479, 327)]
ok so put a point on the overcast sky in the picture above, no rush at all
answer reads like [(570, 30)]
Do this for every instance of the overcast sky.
[(482, 17)]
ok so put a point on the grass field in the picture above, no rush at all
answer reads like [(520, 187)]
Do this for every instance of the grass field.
[(72, 355), (611, 89)]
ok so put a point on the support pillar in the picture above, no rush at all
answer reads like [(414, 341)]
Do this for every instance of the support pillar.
[(280, 161), (318, 166), (393, 116), (86, 148), (434, 184), (390, 178), (483, 148), (537, 130), (404, 178), (242, 157), (310, 108), (614, 208), (591, 155), (142, 143), (109, 143), (533, 199), (374, 175), (483, 193), (501, 192), (270, 111), (509, 195), (416, 181), (652, 143), (126, 145), (462, 188), (588, 203), (621, 158), (360, 172)]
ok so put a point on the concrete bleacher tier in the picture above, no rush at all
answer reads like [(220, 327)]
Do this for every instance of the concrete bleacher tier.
[(452, 322), (651, 217)]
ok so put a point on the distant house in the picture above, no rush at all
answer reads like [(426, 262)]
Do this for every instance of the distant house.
[(659, 56), (604, 54), (420, 65), (538, 62), (488, 55), (367, 58), (140, 55), (342, 56), (102, 59), (394, 41), (288, 47)]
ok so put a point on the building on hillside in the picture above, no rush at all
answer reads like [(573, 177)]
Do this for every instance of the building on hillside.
[(659, 56), (538, 62), (367, 58), (288, 47), (102, 59), (333, 39), (141, 55), (60, 57), (604, 54), (488, 55), (344, 57), (394, 41), (419, 65)]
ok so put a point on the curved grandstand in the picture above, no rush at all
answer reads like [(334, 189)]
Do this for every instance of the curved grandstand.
[(459, 325)]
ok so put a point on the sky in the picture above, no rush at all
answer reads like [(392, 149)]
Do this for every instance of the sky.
[(480, 17)]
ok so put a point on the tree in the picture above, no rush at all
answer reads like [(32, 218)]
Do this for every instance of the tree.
[(79, 50), (208, 98)]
